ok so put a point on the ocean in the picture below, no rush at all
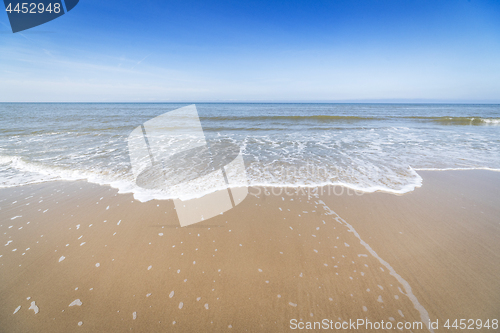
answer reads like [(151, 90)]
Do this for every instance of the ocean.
[(366, 147)]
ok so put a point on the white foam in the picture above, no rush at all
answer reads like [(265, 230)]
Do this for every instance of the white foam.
[(17, 309), (370, 160), (458, 169), (76, 302), (171, 294), (134, 315), (34, 307), (62, 258), (424, 315), (43, 173), (491, 121)]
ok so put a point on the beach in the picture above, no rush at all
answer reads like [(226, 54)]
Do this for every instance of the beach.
[(79, 256), (263, 166)]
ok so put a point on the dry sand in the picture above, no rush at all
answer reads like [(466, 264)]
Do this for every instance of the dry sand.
[(123, 265)]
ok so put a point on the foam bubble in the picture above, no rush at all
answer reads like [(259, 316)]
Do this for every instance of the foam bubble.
[(76, 302), (34, 307)]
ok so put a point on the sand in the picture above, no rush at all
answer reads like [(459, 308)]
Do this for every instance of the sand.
[(87, 258)]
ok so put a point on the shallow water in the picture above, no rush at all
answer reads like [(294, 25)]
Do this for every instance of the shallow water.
[(367, 147)]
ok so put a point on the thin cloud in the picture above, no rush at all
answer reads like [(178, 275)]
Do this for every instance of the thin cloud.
[(139, 62)]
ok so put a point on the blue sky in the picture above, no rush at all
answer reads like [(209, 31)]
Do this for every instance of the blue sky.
[(356, 50)]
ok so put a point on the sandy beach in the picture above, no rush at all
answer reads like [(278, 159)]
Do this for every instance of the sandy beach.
[(79, 256), (263, 166)]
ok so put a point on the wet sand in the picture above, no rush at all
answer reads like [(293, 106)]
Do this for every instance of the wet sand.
[(444, 238), (124, 265)]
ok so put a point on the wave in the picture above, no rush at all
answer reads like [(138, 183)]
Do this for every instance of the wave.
[(29, 172), (303, 117), (40, 173), (459, 120), (478, 121), (445, 120)]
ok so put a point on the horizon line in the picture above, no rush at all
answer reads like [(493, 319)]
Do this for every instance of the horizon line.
[(367, 101)]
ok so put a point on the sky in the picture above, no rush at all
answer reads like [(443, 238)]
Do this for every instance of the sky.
[(254, 51)]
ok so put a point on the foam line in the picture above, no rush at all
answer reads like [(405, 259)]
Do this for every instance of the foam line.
[(457, 169), (424, 315), (39, 173)]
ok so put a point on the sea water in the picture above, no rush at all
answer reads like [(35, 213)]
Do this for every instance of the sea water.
[(367, 147)]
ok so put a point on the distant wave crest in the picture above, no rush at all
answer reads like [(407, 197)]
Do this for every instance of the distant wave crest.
[(458, 120), (448, 120)]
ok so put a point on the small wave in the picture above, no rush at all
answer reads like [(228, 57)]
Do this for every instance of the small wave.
[(491, 121), (40, 173), (242, 129), (36, 172), (291, 118), (448, 120), (477, 121), (282, 129)]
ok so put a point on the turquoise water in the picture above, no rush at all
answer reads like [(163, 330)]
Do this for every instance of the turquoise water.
[(364, 146)]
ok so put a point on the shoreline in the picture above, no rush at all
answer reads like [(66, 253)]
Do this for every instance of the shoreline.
[(259, 265)]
